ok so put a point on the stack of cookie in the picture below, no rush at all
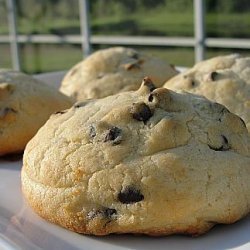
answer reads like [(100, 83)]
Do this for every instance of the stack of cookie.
[(151, 161)]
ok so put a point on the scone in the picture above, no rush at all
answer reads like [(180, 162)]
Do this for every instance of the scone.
[(150, 161), (224, 79), (110, 71), (25, 105)]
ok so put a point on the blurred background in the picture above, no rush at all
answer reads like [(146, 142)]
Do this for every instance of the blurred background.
[(153, 18)]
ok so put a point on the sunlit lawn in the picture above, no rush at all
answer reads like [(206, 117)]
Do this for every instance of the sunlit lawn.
[(47, 58)]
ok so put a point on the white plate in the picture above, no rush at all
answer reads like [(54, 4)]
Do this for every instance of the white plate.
[(20, 228)]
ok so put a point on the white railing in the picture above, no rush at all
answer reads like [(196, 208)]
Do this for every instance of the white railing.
[(199, 42), (13, 34)]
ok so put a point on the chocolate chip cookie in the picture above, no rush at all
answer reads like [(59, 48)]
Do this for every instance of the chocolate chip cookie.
[(224, 79), (110, 71), (150, 161), (25, 105)]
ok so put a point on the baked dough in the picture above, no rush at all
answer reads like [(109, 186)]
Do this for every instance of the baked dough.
[(224, 79), (150, 161), (109, 71), (25, 105)]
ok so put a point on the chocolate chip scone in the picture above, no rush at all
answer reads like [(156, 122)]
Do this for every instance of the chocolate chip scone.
[(224, 79), (150, 161), (25, 105), (110, 71)]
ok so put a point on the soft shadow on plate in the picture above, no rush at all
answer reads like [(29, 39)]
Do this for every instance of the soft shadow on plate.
[(28, 235), (10, 165), (11, 157)]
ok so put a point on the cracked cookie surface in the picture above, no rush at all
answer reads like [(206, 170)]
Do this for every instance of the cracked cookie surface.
[(224, 79), (110, 71), (150, 161), (25, 105)]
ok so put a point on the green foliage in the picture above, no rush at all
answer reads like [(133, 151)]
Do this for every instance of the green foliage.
[(114, 7), (127, 17), (179, 5), (35, 10), (3, 17), (228, 6), (224, 18)]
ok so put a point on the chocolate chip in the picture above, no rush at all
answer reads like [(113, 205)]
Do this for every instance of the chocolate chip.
[(130, 66), (224, 147), (92, 131), (105, 213), (5, 111), (151, 98), (216, 107), (80, 104), (141, 112), (114, 134), (130, 195), (214, 75), (190, 82), (60, 112), (148, 83), (243, 122), (134, 55), (109, 212), (225, 140)]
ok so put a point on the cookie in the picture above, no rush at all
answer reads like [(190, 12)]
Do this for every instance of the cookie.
[(25, 105), (224, 79), (150, 161), (110, 71)]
